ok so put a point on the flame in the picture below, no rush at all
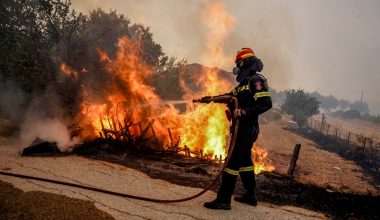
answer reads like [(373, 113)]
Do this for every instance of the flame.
[(207, 126), (261, 161), (69, 71), (130, 74)]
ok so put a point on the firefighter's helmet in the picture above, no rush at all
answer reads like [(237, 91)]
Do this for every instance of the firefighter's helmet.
[(244, 53)]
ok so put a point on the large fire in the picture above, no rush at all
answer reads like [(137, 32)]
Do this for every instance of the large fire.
[(211, 129), (202, 128)]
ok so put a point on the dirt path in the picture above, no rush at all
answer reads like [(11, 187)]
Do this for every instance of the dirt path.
[(118, 178)]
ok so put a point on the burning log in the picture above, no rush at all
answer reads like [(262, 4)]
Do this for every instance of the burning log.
[(140, 127), (145, 131), (170, 136), (293, 162)]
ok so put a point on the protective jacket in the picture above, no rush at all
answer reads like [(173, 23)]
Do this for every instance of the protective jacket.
[(253, 96)]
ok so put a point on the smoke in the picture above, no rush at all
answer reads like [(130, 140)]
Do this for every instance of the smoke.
[(45, 119), (309, 45), (12, 101), (270, 30), (52, 130), (35, 116), (178, 25)]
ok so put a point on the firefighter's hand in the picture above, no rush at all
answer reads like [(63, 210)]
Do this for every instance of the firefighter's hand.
[(239, 112)]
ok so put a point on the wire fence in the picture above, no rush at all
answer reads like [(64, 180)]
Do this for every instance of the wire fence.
[(337, 133)]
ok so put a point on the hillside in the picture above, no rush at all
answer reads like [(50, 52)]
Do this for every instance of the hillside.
[(192, 72)]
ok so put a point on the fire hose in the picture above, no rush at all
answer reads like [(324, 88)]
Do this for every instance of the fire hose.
[(218, 99)]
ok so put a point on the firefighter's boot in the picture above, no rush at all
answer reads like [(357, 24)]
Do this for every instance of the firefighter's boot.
[(217, 205), (223, 199), (248, 199), (249, 182)]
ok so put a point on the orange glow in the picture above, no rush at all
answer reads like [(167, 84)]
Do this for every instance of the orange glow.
[(207, 126), (261, 161), (69, 71), (127, 96)]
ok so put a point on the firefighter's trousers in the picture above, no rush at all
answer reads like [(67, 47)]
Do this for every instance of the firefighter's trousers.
[(240, 164)]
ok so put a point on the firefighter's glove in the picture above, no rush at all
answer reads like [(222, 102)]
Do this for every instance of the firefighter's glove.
[(239, 112), (206, 99)]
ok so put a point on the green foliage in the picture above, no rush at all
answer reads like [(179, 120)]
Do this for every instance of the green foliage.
[(37, 36), (300, 105), (30, 30), (328, 103)]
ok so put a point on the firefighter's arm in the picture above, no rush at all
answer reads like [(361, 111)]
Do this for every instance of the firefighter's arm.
[(262, 100)]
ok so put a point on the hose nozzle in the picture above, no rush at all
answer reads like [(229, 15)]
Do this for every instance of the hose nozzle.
[(206, 99)]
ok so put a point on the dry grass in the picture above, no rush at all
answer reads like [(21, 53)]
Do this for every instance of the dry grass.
[(356, 126), (315, 166)]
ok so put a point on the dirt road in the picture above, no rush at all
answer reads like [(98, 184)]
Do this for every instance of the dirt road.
[(121, 179)]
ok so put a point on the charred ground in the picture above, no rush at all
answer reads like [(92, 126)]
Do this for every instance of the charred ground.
[(273, 187)]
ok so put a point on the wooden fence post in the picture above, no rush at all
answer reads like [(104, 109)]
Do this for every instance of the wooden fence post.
[(293, 162), (322, 123), (328, 128)]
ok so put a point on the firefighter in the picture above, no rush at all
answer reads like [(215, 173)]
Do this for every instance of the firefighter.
[(254, 99)]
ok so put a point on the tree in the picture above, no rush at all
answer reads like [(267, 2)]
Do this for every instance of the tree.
[(343, 104), (327, 102), (300, 105), (37, 36), (30, 30), (359, 106)]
